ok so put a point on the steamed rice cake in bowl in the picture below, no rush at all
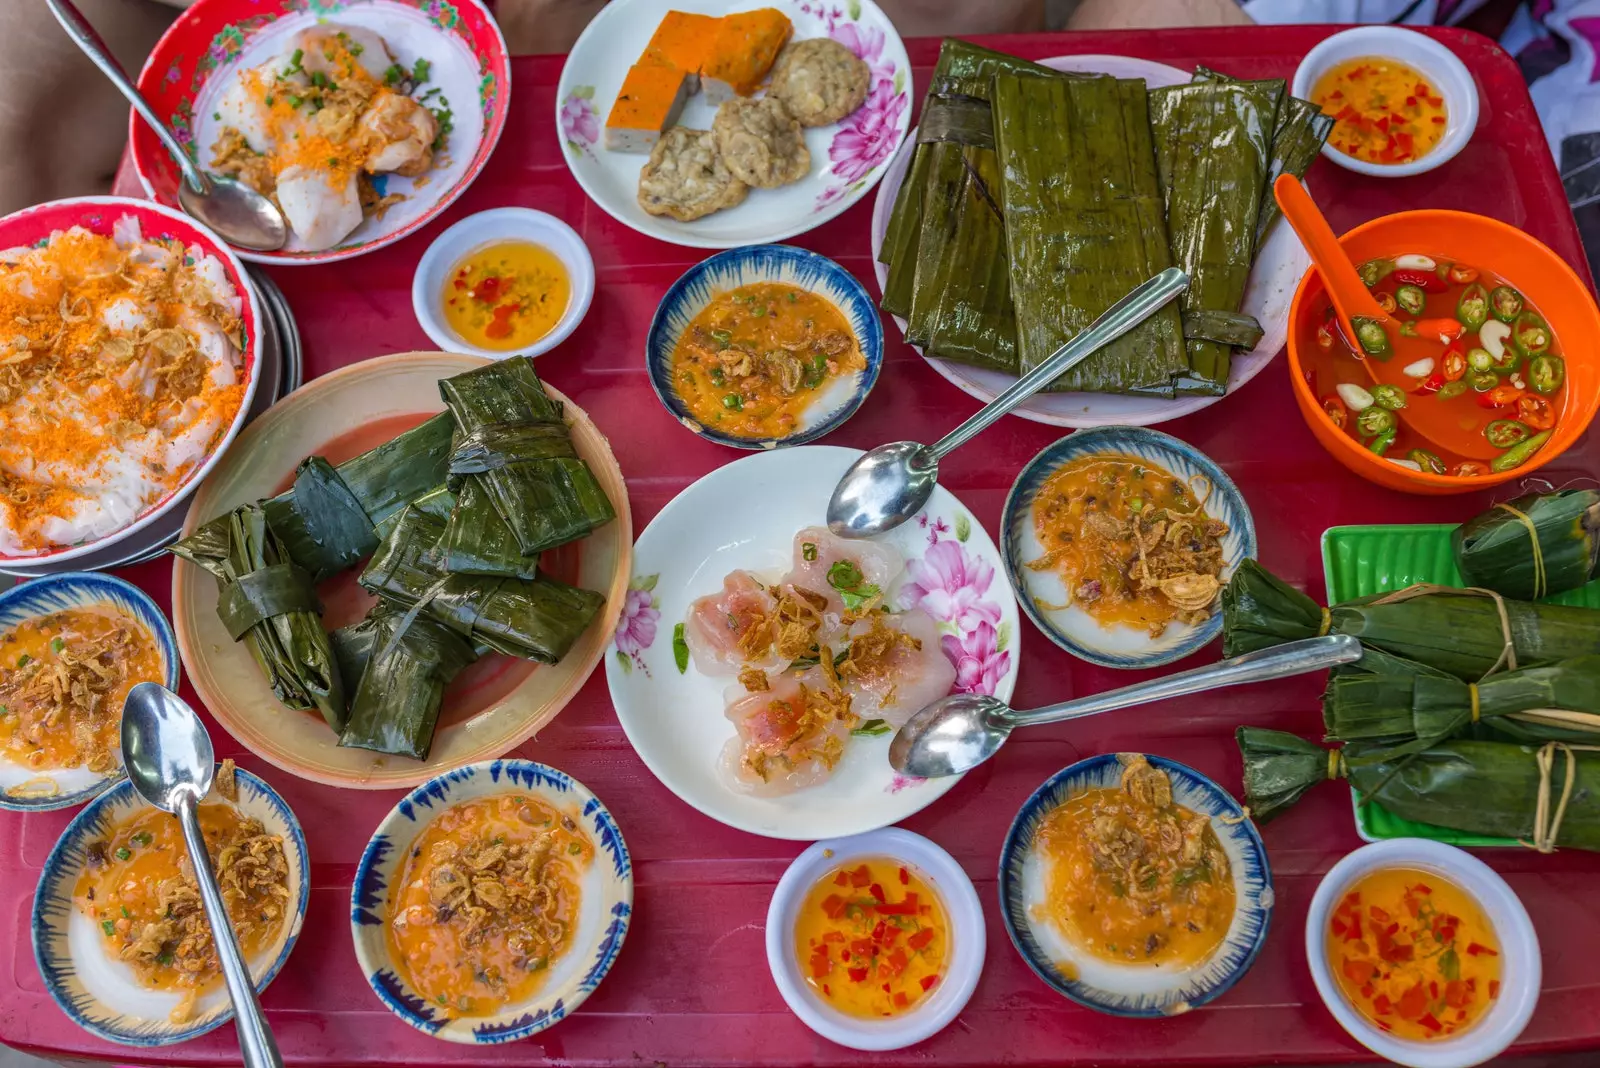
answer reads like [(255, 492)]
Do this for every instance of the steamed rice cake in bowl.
[(127, 365)]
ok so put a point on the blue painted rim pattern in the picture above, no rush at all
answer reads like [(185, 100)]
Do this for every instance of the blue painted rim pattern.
[(369, 891), (747, 265), (77, 589), (1225, 503), (53, 907), (1252, 882)]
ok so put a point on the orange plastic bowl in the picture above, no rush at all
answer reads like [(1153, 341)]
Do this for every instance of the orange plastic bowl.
[(1553, 287)]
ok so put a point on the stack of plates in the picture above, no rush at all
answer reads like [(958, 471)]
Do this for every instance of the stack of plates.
[(281, 371)]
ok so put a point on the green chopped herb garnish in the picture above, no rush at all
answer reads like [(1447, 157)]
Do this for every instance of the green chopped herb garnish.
[(680, 649), (125, 911), (844, 575), (164, 958), (733, 402), (419, 73), (854, 599), (24, 660), (294, 66), (217, 115), (808, 551), (108, 927), (123, 853), (393, 74), (270, 99), (296, 101), (143, 838), (793, 296), (574, 847), (872, 728)]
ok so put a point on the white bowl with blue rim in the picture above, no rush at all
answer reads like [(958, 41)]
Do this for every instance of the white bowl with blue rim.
[(102, 995), (25, 789), (840, 396), (605, 907), (1045, 597), (1140, 991)]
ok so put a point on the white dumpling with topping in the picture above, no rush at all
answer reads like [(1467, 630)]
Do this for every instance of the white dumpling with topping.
[(784, 741), (817, 551), (717, 621), (321, 209), (905, 672)]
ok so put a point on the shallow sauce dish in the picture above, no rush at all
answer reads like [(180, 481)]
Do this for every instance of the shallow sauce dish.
[(28, 790), (1134, 990), (838, 396), (1521, 966), (101, 995), (1042, 592), (963, 959), (605, 901), (1533, 269)]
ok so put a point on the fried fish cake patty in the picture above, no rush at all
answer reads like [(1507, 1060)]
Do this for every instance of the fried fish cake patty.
[(686, 178), (761, 143), (820, 81)]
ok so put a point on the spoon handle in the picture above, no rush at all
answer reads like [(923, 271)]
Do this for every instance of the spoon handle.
[(255, 1038), (1141, 303), (84, 36), (1280, 661)]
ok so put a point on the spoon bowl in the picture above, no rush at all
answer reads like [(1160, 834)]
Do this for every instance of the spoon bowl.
[(950, 736)]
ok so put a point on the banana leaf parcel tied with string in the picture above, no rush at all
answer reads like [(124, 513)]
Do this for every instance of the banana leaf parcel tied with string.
[(516, 450), (394, 707), (1543, 796), (270, 603), (537, 619), (1467, 633), (1404, 711), (1533, 546)]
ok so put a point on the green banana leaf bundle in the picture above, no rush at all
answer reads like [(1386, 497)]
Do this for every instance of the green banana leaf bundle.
[(537, 619), (1452, 631), (327, 520), (1213, 140), (271, 605), (1409, 711), (403, 666), (515, 445), (1533, 546), (1084, 224), (1480, 787)]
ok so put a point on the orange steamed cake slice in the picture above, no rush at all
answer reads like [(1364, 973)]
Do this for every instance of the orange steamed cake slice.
[(743, 51), (651, 97)]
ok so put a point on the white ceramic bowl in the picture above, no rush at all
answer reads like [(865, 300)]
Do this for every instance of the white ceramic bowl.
[(493, 227), (967, 940), (1436, 62), (1519, 949)]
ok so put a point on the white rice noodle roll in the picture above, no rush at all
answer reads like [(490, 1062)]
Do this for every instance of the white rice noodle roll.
[(321, 212)]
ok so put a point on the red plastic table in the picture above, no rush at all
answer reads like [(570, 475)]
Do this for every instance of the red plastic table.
[(692, 985)]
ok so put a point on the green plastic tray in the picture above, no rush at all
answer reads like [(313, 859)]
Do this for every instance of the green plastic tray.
[(1361, 560)]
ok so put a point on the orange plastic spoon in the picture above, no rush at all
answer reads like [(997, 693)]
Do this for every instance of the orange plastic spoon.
[(1351, 298)]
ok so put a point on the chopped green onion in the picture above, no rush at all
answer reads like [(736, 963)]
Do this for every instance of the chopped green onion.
[(872, 728), (108, 927), (123, 853), (733, 402), (845, 575), (808, 551)]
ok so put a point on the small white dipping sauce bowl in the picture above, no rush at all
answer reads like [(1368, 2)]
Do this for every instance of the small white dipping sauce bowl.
[(1519, 952), (967, 940), (1433, 60), (493, 228)]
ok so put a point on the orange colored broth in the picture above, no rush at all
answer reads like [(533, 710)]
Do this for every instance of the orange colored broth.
[(872, 938), (1386, 112), (756, 357), (507, 295), (1414, 954), (441, 958)]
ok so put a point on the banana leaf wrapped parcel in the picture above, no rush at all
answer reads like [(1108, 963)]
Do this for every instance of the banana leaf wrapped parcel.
[(399, 669), (270, 603), (1456, 631), (1489, 788), (1533, 546)]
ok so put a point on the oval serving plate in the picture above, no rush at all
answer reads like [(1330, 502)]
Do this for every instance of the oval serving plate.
[(101, 995), (1042, 591), (604, 912), (190, 67), (737, 267), (99, 215), (1131, 990), (497, 703), (745, 515), (847, 158), (1278, 267), (25, 789)]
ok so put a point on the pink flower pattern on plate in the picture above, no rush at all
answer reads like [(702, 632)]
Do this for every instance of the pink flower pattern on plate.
[(869, 136), (580, 122), (636, 629), (979, 660), (952, 586)]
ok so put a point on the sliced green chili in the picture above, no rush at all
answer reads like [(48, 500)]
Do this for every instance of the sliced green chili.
[(1426, 460), (1372, 337), (1473, 307), (1519, 454), (1546, 373), (1505, 303)]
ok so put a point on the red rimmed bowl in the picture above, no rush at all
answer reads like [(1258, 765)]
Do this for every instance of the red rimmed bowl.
[(1550, 285), (190, 67), (99, 214)]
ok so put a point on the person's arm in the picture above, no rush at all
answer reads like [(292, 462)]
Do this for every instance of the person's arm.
[(1153, 14)]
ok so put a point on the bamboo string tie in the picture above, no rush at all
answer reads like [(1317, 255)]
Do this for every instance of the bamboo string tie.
[(1327, 623), (1508, 650), (1547, 818), (1477, 707), (1541, 585), (1335, 764)]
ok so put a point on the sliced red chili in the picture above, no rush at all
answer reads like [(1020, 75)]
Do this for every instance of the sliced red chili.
[(1426, 281), (1535, 411), (876, 891), (929, 982), (857, 975), (1500, 396), (1430, 1022), (905, 877), (860, 877), (1338, 414), (1476, 950), (489, 289), (833, 906), (921, 939)]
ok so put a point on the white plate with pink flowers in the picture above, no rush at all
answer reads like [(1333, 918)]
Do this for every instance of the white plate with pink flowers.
[(847, 157), (802, 751)]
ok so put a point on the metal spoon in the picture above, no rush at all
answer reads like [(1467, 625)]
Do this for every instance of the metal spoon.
[(170, 762), (891, 483), (242, 216), (959, 732)]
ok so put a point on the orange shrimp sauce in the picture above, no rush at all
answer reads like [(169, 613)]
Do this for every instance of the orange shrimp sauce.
[(1414, 954), (873, 938), (436, 957), (34, 733), (124, 894), (507, 295), (1386, 112)]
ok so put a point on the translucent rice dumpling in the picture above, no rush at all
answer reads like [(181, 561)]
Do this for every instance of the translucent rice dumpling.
[(514, 443)]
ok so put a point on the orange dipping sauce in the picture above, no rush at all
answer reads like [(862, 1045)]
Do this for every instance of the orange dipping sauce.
[(872, 938), (507, 295), (1386, 112), (1413, 954)]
